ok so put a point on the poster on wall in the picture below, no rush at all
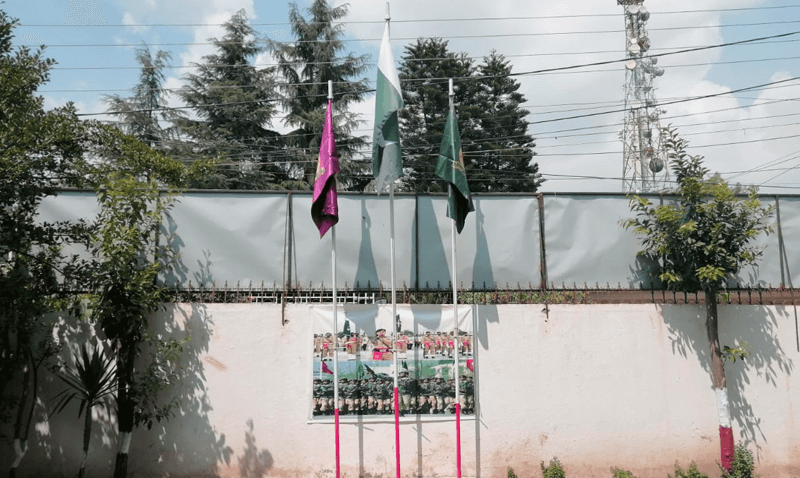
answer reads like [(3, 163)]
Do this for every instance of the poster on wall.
[(427, 339)]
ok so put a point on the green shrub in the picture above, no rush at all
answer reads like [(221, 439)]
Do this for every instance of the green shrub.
[(620, 473), (742, 465), (692, 472), (553, 470), (510, 473)]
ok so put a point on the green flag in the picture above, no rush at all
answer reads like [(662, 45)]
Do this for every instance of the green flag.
[(386, 164), (450, 167)]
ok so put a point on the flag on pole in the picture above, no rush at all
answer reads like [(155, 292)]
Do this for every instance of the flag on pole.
[(324, 206), (450, 167), (325, 369), (386, 163)]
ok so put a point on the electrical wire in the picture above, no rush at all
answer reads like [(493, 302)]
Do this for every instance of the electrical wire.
[(482, 19), (452, 37)]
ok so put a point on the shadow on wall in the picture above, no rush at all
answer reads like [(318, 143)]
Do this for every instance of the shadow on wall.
[(254, 463), (758, 327), (186, 445)]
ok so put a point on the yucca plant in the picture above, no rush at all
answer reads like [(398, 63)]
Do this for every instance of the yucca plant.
[(92, 381)]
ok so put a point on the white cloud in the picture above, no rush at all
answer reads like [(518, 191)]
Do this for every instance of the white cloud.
[(127, 19), (665, 31)]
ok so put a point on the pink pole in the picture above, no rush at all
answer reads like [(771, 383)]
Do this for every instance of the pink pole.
[(397, 429), (336, 421), (458, 439)]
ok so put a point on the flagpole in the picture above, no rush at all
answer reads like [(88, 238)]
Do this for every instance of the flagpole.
[(335, 333), (455, 318), (394, 307)]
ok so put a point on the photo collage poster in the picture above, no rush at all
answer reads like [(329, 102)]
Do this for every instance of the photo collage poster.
[(426, 344)]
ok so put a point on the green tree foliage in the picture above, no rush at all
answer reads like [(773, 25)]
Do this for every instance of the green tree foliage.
[(701, 239), (38, 151), (91, 381), (235, 103), (705, 236), (306, 65), (143, 112), (501, 157), (424, 69), (130, 255), (497, 149)]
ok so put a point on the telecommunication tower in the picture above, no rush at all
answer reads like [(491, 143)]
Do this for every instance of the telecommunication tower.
[(644, 159)]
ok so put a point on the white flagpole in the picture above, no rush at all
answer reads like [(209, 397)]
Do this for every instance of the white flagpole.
[(455, 315), (335, 329), (394, 307)]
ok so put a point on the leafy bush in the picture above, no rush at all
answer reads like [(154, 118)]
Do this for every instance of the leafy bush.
[(553, 470), (742, 465), (692, 472), (510, 473), (620, 473)]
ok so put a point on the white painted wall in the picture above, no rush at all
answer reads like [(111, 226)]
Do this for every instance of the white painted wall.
[(595, 385)]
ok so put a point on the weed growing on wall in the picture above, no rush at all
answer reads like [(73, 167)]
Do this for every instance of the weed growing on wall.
[(692, 472), (510, 473), (553, 470), (742, 465), (620, 473)]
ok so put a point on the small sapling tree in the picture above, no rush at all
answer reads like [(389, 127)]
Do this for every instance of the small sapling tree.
[(698, 243), (130, 254)]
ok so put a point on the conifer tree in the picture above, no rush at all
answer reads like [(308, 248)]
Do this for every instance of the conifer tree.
[(143, 112), (498, 151), (501, 158), (235, 103), (424, 71), (306, 65)]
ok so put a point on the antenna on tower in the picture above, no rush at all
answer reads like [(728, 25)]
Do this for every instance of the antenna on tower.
[(644, 159)]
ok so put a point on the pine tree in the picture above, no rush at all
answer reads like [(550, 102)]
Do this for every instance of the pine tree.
[(498, 151), (306, 65), (502, 158), (143, 112), (236, 103), (425, 67)]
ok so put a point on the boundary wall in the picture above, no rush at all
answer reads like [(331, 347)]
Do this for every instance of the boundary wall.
[(594, 385), (511, 241)]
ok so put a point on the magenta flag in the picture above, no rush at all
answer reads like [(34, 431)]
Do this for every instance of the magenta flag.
[(324, 207)]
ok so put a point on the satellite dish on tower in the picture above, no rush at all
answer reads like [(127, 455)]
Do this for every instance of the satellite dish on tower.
[(630, 64), (633, 9), (635, 48), (643, 13)]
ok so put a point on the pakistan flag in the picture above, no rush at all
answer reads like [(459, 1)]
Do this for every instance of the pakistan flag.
[(450, 167)]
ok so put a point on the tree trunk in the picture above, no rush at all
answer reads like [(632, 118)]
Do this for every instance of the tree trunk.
[(20, 432), (718, 380), (125, 360), (87, 437)]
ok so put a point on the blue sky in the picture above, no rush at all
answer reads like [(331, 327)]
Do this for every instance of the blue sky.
[(740, 138)]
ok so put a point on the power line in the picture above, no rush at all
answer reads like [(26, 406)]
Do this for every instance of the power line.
[(409, 60), (482, 19), (460, 37)]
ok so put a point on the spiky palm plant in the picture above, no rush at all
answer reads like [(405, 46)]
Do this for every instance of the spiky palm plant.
[(92, 381)]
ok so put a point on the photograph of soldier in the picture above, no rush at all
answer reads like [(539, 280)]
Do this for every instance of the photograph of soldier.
[(328, 346), (317, 346), (402, 345), (428, 343), (465, 342), (407, 386), (352, 346), (382, 349)]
